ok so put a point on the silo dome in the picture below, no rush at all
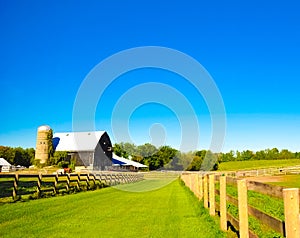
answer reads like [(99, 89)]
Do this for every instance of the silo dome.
[(44, 128)]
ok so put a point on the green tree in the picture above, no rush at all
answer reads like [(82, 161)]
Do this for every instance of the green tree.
[(286, 154), (226, 157), (146, 150), (7, 153), (210, 162), (50, 144), (58, 157), (261, 155), (246, 155), (195, 165), (125, 150)]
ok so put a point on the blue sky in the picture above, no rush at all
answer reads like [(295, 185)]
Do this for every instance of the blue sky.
[(250, 48)]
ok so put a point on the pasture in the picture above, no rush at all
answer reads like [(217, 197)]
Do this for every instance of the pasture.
[(257, 164), (171, 211), (289, 181)]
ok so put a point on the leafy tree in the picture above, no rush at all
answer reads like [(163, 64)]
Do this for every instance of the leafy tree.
[(185, 159), (146, 150), (7, 153), (125, 150), (225, 157), (196, 163), (261, 155), (58, 157), (50, 144), (166, 154), (272, 154), (175, 163), (246, 155), (210, 162), (17, 156), (285, 154)]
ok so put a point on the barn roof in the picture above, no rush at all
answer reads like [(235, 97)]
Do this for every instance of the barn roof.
[(4, 162), (123, 161), (77, 141)]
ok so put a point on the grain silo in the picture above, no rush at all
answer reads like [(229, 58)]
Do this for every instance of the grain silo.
[(43, 143)]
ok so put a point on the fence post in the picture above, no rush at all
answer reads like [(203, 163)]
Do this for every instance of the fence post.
[(190, 181), (56, 183), (223, 206), (200, 183), (197, 185), (212, 206), (68, 182), (78, 181), (87, 182), (205, 188), (39, 184), (243, 208), (291, 212), (15, 188)]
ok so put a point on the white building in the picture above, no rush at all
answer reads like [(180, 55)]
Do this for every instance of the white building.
[(90, 149), (126, 163), (4, 165)]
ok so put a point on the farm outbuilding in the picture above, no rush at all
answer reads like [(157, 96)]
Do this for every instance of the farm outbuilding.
[(4, 165), (126, 163), (90, 149)]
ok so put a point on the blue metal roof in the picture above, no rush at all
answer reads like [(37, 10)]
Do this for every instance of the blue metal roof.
[(115, 161)]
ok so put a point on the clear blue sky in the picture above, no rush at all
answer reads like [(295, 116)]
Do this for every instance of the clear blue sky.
[(250, 48)]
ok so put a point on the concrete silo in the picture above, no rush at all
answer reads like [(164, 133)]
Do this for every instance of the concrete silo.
[(43, 143)]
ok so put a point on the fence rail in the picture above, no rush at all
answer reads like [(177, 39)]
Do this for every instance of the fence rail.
[(266, 172), (203, 186), (17, 185)]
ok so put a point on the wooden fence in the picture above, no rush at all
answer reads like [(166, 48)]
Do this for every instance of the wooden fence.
[(17, 185), (204, 187), (266, 172)]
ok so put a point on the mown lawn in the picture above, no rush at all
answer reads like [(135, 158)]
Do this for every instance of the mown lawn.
[(257, 164), (171, 211)]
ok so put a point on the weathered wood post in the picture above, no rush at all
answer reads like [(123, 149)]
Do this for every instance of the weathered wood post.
[(200, 183), (205, 191), (223, 206), (87, 182), (15, 188), (39, 185), (197, 185), (212, 205), (110, 180), (56, 183), (68, 182), (94, 179), (291, 212), (243, 208), (78, 181)]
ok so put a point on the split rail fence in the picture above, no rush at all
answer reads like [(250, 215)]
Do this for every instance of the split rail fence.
[(204, 187), (17, 185)]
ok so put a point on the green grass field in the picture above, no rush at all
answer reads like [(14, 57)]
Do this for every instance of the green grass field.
[(271, 206), (171, 211), (256, 164), (290, 181)]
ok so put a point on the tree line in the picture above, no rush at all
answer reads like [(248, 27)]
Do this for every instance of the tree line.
[(167, 157), (164, 157), (18, 155)]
